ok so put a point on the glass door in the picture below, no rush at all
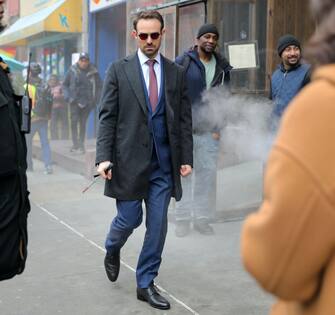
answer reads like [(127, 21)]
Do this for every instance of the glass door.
[(190, 18), (242, 21)]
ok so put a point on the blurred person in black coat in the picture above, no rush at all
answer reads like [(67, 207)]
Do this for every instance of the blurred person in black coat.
[(82, 87), (14, 203)]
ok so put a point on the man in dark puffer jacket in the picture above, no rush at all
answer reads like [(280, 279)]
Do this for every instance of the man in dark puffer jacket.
[(205, 69), (290, 76)]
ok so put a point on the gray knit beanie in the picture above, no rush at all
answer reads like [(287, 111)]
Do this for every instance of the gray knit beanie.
[(285, 41), (207, 28)]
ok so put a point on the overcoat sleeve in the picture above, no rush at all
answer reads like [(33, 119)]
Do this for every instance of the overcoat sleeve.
[(185, 125)]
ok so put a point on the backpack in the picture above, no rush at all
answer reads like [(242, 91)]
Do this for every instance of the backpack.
[(43, 101), (186, 62)]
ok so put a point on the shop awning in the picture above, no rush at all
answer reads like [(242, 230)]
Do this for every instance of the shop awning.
[(63, 16)]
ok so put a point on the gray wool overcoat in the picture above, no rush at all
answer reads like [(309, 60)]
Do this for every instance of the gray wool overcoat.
[(124, 137)]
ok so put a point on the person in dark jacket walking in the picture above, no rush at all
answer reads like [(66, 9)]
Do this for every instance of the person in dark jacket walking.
[(14, 202), (205, 69), (41, 96), (82, 85), (290, 76)]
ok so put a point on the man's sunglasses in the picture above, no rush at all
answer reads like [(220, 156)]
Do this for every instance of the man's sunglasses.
[(144, 36)]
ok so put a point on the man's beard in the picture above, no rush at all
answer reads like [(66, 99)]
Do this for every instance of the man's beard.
[(207, 51), (295, 62)]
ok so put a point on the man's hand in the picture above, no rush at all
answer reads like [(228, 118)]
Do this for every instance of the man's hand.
[(101, 170), (185, 170)]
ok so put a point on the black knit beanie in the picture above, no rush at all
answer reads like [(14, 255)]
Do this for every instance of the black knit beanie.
[(207, 28), (285, 41)]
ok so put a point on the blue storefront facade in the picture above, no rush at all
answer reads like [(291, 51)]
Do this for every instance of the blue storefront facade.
[(106, 43), (107, 35)]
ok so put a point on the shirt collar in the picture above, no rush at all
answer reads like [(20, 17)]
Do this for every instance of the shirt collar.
[(143, 58), (294, 67)]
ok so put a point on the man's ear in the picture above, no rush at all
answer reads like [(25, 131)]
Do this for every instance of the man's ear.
[(134, 34), (163, 31)]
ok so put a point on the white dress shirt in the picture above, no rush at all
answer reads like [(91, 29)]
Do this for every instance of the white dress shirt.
[(145, 69)]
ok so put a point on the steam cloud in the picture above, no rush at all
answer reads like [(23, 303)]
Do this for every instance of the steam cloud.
[(245, 122)]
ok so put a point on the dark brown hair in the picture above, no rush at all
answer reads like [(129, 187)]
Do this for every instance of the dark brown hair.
[(321, 47), (147, 15)]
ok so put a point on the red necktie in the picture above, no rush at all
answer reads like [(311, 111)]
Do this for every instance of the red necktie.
[(153, 89)]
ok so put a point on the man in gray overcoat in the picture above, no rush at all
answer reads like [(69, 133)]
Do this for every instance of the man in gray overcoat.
[(145, 132)]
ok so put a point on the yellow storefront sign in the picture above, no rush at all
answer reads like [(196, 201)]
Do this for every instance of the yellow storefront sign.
[(28, 7), (61, 16)]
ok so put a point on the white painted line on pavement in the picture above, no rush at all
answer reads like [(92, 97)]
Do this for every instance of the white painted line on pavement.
[(104, 250)]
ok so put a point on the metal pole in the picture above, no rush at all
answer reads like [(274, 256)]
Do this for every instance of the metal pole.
[(84, 35)]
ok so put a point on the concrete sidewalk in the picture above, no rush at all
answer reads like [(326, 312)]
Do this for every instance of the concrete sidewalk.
[(64, 271), (65, 274), (72, 161)]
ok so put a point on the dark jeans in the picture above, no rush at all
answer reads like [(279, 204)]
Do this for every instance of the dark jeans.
[(59, 125), (78, 118), (199, 189)]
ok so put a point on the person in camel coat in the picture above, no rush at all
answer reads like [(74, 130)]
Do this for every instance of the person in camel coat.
[(289, 244)]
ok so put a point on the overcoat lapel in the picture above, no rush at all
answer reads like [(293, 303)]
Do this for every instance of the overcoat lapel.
[(132, 69), (170, 81)]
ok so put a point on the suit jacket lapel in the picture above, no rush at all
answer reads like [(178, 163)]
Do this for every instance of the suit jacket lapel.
[(132, 69)]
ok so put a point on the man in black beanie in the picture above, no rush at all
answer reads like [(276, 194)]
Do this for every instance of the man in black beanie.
[(205, 69), (290, 76)]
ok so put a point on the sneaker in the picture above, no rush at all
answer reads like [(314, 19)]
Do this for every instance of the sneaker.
[(48, 170), (203, 227), (182, 228), (73, 149)]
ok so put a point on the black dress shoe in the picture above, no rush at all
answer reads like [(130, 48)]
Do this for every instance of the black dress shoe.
[(112, 266), (152, 296)]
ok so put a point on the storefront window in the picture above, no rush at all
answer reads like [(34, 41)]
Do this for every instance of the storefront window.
[(241, 21), (168, 46), (191, 17), (179, 36), (52, 58), (54, 63)]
